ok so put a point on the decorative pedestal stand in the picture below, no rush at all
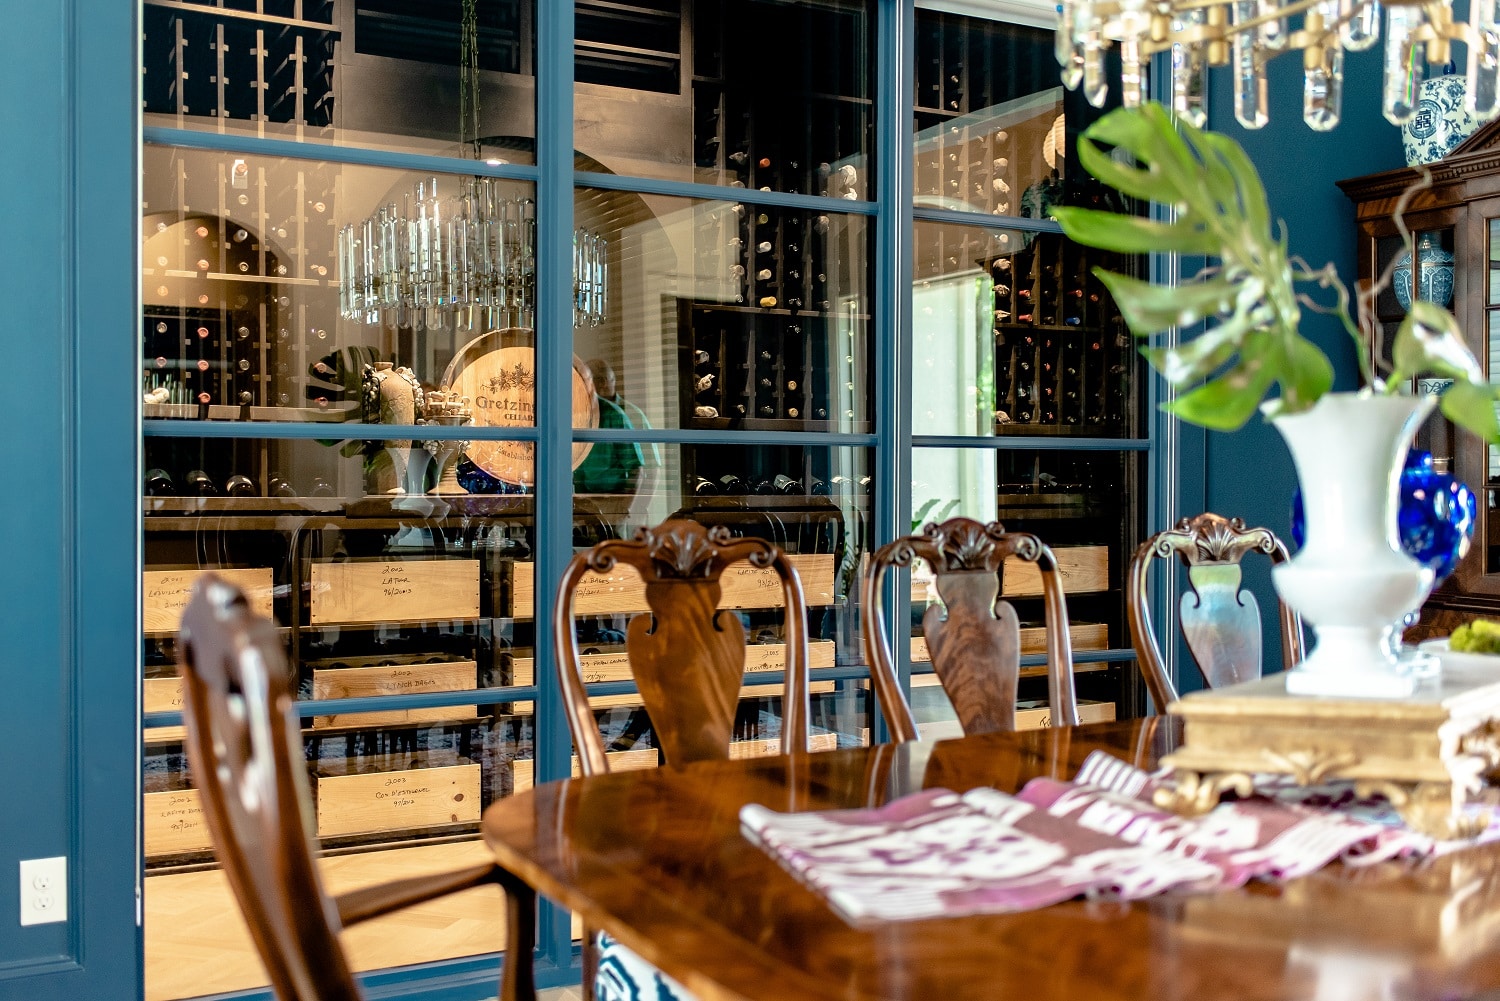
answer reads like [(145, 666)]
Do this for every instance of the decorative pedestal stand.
[(1430, 754), (447, 410)]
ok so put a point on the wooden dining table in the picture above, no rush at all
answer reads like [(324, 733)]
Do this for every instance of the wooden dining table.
[(656, 858)]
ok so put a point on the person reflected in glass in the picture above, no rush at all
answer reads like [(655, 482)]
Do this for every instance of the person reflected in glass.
[(611, 467), (605, 385)]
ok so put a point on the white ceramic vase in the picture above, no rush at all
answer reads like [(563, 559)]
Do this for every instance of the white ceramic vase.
[(1351, 581)]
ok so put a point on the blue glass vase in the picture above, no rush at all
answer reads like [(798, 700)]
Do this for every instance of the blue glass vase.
[(1435, 518)]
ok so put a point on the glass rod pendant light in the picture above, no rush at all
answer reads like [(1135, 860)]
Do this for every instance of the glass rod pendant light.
[(468, 259), (1247, 34)]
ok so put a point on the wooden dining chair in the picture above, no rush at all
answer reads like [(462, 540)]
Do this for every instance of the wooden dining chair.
[(1220, 622), (244, 746), (973, 637), (688, 661), (687, 658)]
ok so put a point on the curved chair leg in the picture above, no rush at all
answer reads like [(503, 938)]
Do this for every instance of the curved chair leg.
[(516, 983), (590, 957)]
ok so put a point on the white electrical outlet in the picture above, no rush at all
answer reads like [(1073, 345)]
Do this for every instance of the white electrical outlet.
[(44, 890)]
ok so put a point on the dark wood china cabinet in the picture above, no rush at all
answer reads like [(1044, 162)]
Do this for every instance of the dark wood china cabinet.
[(1455, 227)]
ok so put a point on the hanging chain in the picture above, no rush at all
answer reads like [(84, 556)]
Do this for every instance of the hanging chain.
[(468, 77)]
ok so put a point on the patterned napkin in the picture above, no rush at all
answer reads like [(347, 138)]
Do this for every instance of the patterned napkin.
[(940, 854)]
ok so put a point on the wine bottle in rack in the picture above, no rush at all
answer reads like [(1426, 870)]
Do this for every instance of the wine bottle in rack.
[(197, 483), (767, 285), (739, 164), (159, 484), (703, 487), (240, 485), (763, 486), (783, 484), (1005, 385), (1055, 278), (730, 484)]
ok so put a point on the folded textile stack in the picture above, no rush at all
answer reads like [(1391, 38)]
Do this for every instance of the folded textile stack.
[(940, 854)]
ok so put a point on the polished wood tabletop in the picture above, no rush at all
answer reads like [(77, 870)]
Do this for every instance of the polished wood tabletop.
[(657, 859)]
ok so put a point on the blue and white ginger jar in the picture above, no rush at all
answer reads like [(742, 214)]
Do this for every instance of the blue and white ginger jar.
[(1436, 283), (1441, 122)]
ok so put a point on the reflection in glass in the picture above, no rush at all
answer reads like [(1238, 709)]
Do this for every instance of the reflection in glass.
[(1079, 504), (994, 131), (374, 595), (813, 503), (729, 315), (469, 256), (1490, 495), (378, 73), (1013, 334), (1492, 286), (771, 95), (459, 759), (244, 311)]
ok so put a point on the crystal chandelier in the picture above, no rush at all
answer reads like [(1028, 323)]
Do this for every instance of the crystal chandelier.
[(1246, 34), (469, 258)]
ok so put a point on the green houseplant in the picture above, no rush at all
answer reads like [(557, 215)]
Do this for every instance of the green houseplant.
[(1220, 210), (1350, 580)]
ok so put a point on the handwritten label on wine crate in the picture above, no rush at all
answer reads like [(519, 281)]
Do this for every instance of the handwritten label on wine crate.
[(1085, 636), (399, 800), (523, 770), (173, 823), (167, 592), (394, 591), (747, 692), (395, 679), (621, 590), (1083, 569), (616, 666), (1029, 716), (770, 747), (162, 695)]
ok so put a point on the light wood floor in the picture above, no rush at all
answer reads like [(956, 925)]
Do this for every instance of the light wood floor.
[(196, 942)]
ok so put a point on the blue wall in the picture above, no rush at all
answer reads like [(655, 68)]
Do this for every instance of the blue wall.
[(69, 195), (1249, 473)]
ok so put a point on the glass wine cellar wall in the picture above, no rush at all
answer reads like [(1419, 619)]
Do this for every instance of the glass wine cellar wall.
[(352, 328)]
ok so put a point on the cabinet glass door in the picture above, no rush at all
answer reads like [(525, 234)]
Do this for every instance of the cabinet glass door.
[(1490, 356), (1015, 345)]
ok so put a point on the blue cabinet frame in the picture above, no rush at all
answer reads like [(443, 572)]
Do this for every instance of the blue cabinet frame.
[(70, 192)]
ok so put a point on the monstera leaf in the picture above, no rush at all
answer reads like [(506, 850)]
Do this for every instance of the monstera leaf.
[(1248, 299)]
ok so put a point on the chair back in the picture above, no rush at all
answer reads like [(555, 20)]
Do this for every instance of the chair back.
[(974, 637), (244, 747), (687, 657), (1220, 621)]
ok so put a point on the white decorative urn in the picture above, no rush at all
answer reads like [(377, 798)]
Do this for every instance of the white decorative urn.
[(1351, 581)]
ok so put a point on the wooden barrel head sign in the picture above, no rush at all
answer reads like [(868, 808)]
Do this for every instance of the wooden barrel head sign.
[(497, 372)]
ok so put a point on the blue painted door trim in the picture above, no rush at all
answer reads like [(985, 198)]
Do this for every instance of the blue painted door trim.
[(69, 192), (554, 365)]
